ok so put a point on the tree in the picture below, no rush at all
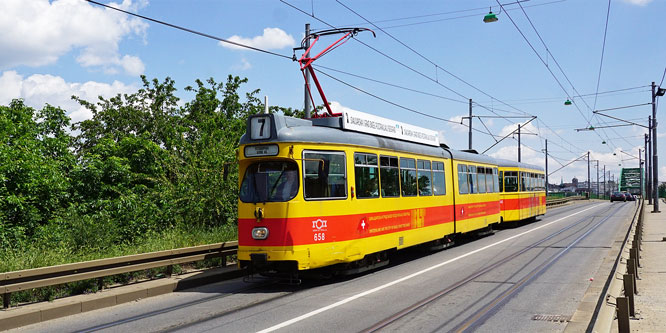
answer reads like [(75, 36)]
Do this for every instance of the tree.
[(36, 161)]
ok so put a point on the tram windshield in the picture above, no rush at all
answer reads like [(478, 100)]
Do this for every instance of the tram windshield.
[(274, 181)]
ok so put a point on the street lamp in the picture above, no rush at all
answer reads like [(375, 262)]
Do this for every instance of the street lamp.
[(490, 17)]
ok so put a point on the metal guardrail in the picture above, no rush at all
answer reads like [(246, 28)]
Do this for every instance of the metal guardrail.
[(623, 294), (11, 282), (559, 201)]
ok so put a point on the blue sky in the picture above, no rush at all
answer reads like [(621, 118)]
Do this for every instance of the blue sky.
[(55, 49)]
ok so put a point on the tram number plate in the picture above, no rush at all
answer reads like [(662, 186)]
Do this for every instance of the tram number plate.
[(319, 236), (260, 128)]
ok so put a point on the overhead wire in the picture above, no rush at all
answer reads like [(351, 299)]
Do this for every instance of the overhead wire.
[(190, 30), (437, 66), (316, 68), (424, 75), (603, 48), (545, 64), (393, 85), (447, 18)]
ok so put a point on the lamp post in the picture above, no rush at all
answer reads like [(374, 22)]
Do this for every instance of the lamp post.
[(655, 158)]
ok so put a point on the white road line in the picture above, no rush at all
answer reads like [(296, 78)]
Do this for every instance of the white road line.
[(376, 289)]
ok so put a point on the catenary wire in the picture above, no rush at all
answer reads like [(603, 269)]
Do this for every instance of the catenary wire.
[(423, 75), (190, 30), (603, 49)]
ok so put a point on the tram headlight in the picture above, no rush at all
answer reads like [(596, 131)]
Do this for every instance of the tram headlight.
[(260, 233)]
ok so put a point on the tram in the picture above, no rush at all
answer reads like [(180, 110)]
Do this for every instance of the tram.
[(344, 192)]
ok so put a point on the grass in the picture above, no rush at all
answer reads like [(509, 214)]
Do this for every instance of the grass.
[(35, 255)]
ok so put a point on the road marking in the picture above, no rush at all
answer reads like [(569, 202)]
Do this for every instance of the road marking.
[(376, 289)]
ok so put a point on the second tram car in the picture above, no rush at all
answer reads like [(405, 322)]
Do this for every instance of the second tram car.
[(523, 191), (314, 194)]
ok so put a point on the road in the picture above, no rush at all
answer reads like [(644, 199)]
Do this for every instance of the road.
[(511, 281)]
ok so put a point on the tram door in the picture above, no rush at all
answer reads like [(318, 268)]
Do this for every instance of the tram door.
[(532, 205)]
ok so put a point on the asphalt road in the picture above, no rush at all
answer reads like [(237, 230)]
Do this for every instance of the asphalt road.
[(497, 283)]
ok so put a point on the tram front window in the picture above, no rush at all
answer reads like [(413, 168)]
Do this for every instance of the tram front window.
[(270, 182)]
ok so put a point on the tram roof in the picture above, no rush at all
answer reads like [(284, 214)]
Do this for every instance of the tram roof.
[(513, 164), (329, 130)]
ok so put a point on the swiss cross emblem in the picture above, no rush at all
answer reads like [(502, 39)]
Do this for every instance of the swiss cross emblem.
[(362, 225), (462, 211)]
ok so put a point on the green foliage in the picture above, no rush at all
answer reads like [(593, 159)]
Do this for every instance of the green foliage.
[(143, 166), (36, 161)]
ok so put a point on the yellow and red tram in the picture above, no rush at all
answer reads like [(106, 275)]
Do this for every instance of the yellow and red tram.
[(523, 191), (315, 194)]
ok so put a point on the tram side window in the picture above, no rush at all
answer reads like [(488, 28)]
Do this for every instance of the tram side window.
[(511, 181), (533, 184), (471, 172), (325, 175), (489, 181), (424, 174), (462, 179), (501, 180), (438, 179), (542, 187), (481, 179), (367, 175), (496, 182), (389, 174), (408, 177), (523, 181)]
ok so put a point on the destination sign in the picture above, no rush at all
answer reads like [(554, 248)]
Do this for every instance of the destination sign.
[(371, 124)]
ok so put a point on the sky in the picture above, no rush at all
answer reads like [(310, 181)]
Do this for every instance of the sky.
[(427, 60)]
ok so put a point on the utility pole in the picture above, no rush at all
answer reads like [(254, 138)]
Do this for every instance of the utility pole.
[(640, 169), (470, 124), (655, 159), (589, 181), (648, 194), (597, 179), (308, 106), (518, 142), (546, 167), (604, 182)]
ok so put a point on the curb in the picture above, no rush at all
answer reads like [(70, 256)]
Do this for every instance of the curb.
[(39, 312)]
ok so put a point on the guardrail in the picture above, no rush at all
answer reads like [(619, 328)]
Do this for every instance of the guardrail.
[(559, 201), (11, 282), (622, 289)]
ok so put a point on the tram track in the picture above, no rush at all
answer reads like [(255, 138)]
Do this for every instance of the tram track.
[(249, 288), (486, 311)]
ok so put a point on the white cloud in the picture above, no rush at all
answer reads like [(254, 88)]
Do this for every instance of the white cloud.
[(460, 125), (39, 89), (39, 32), (638, 2), (273, 38), (243, 66)]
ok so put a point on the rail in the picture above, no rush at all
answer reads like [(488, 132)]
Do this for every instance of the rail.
[(11, 282), (560, 201)]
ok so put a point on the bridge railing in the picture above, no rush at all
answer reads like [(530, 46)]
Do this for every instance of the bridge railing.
[(11, 282)]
